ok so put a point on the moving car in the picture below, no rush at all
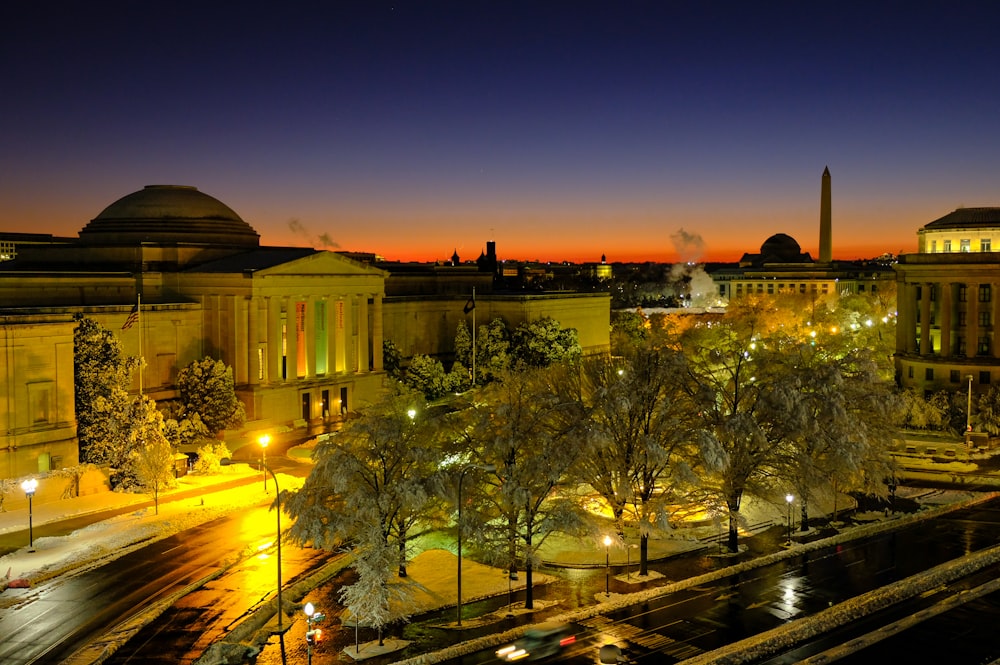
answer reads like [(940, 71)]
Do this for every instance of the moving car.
[(539, 642)]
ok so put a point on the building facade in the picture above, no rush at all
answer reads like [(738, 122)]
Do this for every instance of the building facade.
[(948, 301), (302, 329)]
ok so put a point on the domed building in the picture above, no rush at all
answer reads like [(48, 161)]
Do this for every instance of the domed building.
[(301, 328), (782, 268)]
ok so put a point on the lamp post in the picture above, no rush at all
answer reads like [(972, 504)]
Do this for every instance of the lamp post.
[(789, 498), (968, 407), (312, 634), (607, 566), (263, 441), (461, 477), (29, 486)]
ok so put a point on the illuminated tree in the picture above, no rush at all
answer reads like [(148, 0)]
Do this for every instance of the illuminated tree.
[(206, 387), (101, 379), (376, 471), (525, 424), (642, 438), (153, 456)]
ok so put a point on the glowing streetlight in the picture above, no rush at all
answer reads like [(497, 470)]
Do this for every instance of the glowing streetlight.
[(461, 477), (968, 407), (607, 566), (29, 486), (789, 498), (312, 634), (263, 441)]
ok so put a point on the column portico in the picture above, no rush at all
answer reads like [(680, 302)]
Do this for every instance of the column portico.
[(925, 318), (972, 319), (291, 339), (253, 340), (945, 316), (272, 373), (309, 336)]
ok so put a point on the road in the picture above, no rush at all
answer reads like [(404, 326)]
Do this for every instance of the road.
[(685, 624)]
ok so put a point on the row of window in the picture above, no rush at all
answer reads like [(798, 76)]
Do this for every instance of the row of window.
[(964, 245), (783, 288), (982, 346), (955, 376), (985, 319), (985, 292)]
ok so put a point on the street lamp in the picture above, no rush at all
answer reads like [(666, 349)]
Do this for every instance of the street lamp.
[(789, 498), (607, 566), (968, 407), (277, 492), (29, 486), (263, 441), (461, 477), (312, 634)]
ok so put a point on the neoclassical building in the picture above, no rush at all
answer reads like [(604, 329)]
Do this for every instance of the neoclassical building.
[(301, 328), (948, 300)]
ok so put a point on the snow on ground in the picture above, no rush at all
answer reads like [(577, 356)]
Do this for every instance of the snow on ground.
[(109, 539)]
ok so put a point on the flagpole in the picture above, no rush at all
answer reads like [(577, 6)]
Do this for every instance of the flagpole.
[(473, 337), (138, 305)]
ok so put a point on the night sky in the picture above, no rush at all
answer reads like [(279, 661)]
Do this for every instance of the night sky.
[(562, 130)]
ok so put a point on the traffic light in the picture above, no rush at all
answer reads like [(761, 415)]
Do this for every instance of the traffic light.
[(313, 636)]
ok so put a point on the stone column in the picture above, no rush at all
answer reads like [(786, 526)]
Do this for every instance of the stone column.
[(364, 353), (925, 318), (377, 333), (272, 373), (994, 320), (945, 316), (292, 340), (309, 336), (972, 318), (331, 336), (350, 359), (253, 340)]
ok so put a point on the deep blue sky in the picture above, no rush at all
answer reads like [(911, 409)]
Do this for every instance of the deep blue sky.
[(562, 130)]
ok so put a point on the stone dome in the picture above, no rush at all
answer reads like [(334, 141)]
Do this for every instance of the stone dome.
[(169, 214), (781, 246)]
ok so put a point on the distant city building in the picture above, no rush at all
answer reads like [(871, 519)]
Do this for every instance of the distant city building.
[(781, 267), (948, 299)]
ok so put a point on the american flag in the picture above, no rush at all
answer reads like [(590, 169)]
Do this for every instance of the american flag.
[(133, 316)]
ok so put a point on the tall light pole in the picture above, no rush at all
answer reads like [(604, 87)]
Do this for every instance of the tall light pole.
[(263, 441), (29, 486), (789, 498), (968, 407), (461, 477), (607, 566)]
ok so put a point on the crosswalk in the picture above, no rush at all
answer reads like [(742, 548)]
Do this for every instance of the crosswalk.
[(652, 641)]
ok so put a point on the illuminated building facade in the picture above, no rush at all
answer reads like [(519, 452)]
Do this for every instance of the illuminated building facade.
[(948, 301), (302, 329)]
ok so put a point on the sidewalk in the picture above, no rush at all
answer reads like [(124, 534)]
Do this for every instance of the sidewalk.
[(53, 555)]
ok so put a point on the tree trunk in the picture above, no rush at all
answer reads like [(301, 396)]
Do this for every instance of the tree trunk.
[(402, 556), (643, 554), (733, 542), (805, 515), (529, 596)]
